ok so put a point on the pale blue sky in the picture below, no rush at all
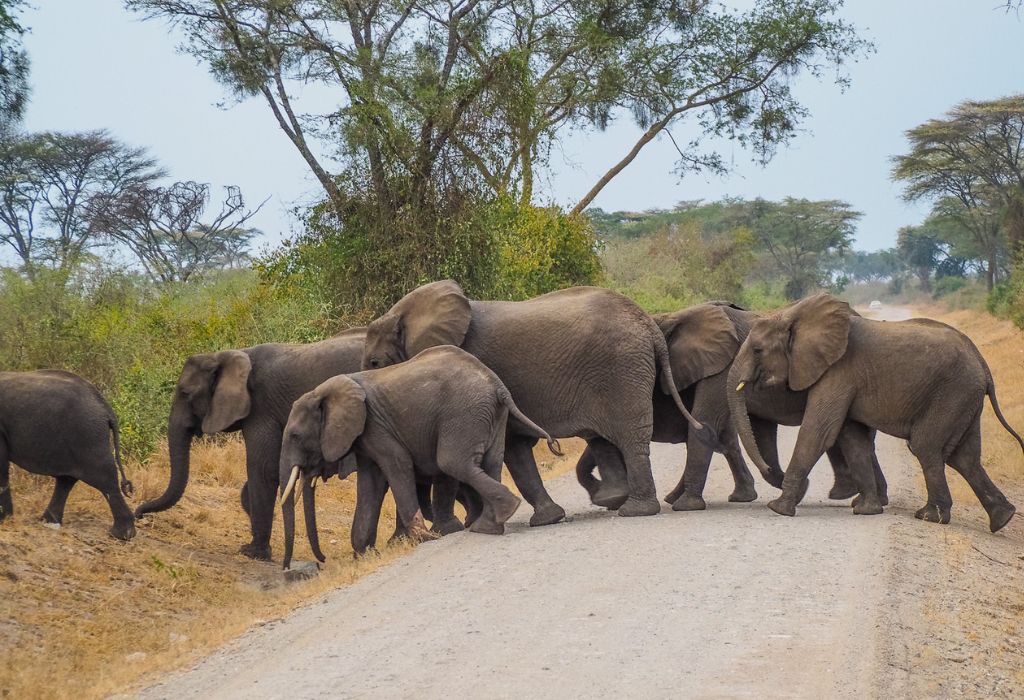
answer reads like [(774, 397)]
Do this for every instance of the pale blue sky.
[(97, 66)]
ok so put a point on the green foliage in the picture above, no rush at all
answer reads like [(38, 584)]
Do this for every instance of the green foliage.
[(496, 250), (683, 265), (944, 286), (131, 338), (14, 65)]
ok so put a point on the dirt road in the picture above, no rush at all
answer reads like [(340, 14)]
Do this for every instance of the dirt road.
[(734, 601)]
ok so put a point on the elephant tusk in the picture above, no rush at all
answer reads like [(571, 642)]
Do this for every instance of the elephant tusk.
[(291, 485), (739, 387)]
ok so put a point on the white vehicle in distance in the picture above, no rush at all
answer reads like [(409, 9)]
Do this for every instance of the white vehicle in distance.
[(875, 305)]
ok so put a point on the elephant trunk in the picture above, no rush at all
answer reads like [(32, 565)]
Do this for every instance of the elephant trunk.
[(585, 472), (180, 431), (288, 516), (309, 512), (741, 418)]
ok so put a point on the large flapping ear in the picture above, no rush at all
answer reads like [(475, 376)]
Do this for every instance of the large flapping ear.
[(343, 403), (818, 332), (702, 341), (434, 314), (231, 401)]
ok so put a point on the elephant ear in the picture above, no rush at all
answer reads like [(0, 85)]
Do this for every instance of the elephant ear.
[(434, 314), (344, 416), (819, 330), (702, 341), (230, 402)]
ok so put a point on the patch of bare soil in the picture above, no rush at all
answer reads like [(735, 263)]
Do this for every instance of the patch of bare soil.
[(83, 615)]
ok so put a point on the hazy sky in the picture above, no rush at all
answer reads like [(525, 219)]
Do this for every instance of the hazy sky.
[(94, 65)]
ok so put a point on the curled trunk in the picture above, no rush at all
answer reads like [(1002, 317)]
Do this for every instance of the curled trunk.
[(741, 418), (179, 443)]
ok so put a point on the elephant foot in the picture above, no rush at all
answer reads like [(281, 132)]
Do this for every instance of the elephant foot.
[(673, 495), (547, 514), (933, 514), (365, 552), (882, 498), (743, 494), (447, 527), (487, 527), (688, 501), (259, 552), (804, 485), (843, 489), (506, 508), (782, 507), (635, 507), (999, 516), (865, 507), (49, 517), (610, 497), (123, 531)]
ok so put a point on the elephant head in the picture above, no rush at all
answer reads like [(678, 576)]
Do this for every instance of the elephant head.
[(212, 396), (702, 341), (789, 350), (322, 427), (433, 314)]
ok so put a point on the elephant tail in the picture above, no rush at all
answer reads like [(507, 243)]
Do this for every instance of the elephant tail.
[(505, 396), (703, 431), (115, 428), (991, 391)]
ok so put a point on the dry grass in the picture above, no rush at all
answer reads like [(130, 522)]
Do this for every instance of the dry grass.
[(83, 615)]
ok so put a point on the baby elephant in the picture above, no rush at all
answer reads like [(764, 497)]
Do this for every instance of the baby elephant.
[(443, 412), (58, 424)]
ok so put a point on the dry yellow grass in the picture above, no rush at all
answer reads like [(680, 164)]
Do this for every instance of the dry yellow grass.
[(83, 615)]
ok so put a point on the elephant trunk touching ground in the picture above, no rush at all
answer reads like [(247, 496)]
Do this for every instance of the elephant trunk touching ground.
[(179, 442), (740, 416), (308, 510)]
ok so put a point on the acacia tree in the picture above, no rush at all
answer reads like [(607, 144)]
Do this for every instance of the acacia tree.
[(971, 164), (802, 237), (164, 228), (14, 66), (445, 104)]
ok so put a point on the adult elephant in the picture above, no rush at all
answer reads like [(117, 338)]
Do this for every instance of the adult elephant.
[(919, 380), (703, 341), (249, 390), (580, 362)]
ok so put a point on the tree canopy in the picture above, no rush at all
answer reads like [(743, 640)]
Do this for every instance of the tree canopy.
[(14, 65)]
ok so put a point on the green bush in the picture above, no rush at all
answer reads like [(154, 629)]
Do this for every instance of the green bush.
[(944, 286), (131, 338)]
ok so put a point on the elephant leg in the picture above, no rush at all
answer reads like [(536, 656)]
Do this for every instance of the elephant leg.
[(124, 519), (444, 492), (614, 486), (966, 459), (823, 419), (643, 499), (262, 452), (695, 476), (940, 502), (855, 448), (585, 467), (423, 497), (499, 502), (743, 481), (880, 483), (844, 485), (471, 501), (398, 470), (6, 502), (370, 489), (243, 498), (523, 468), (54, 512)]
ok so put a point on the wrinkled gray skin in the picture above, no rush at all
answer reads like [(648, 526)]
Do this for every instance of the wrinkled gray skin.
[(919, 380), (581, 362), (57, 424), (702, 342), (251, 390), (442, 412)]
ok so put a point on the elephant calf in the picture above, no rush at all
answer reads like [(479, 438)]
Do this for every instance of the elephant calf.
[(443, 412), (57, 424)]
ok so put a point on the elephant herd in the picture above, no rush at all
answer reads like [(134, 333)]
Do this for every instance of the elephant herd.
[(434, 396)]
